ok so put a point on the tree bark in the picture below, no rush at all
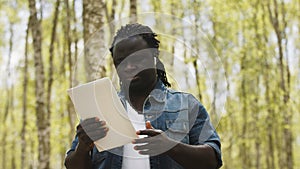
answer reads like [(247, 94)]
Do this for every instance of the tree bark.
[(110, 16), (279, 27), (51, 55), (24, 101), (133, 11), (270, 159), (43, 123), (13, 123), (243, 147), (93, 20), (3, 146), (70, 61)]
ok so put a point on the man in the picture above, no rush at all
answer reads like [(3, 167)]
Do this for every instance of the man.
[(177, 126)]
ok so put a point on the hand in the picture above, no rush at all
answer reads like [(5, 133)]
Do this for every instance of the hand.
[(90, 130), (156, 143)]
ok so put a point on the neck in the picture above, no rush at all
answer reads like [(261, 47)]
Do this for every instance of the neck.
[(137, 97)]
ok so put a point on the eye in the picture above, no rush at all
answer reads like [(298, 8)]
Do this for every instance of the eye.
[(118, 60)]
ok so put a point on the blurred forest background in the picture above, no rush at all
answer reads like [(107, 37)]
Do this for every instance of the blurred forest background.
[(256, 49)]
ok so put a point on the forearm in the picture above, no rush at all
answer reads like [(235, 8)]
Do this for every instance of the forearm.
[(194, 156), (78, 159)]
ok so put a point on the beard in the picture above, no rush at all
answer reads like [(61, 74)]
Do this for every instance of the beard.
[(141, 84)]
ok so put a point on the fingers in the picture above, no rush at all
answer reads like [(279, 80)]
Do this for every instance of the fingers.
[(142, 147), (151, 148), (97, 133), (142, 140), (91, 121), (149, 152), (149, 132), (92, 129), (148, 125), (83, 137), (145, 144)]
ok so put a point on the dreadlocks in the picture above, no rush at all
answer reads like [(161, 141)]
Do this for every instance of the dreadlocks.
[(148, 35)]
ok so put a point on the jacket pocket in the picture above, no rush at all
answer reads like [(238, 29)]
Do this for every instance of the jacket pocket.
[(178, 130)]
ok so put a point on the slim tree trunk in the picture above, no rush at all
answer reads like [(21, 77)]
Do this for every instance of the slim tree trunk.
[(13, 132), (255, 114), (9, 107), (270, 149), (255, 109), (133, 11), (51, 55), (270, 139), (174, 9), (122, 7), (243, 148), (32, 152), (197, 75), (93, 20), (70, 61), (24, 104), (75, 35), (186, 71), (43, 125), (3, 147), (13, 122), (110, 16), (287, 131), (195, 46), (8, 104), (279, 28)]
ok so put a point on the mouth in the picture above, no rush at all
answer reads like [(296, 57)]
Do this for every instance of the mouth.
[(132, 78)]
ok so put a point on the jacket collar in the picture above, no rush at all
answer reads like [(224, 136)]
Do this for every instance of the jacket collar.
[(158, 93)]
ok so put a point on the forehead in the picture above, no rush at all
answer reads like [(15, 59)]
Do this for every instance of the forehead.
[(130, 45)]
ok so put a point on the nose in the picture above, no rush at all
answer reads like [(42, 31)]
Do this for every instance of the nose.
[(129, 66)]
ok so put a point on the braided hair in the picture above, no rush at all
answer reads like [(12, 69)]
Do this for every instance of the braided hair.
[(148, 35)]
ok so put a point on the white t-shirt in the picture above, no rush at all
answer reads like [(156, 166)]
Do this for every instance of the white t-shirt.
[(131, 157)]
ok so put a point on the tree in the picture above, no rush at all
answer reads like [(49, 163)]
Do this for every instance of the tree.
[(133, 11), (93, 20), (275, 13), (43, 122)]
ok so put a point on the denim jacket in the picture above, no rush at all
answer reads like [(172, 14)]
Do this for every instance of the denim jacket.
[(180, 115)]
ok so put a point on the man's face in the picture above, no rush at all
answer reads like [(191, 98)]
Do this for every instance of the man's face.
[(134, 61)]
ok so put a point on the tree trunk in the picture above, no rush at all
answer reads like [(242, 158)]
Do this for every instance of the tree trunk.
[(93, 20), (133, 11), (14, 133), (255, 107), (122, 7), (3, 146), (24, 102), (197, 75), (279, 28), (270, 149), (255, 115), (195, 46), (243, 150), (43, 123), (51, 50), (70, 62), (110, 16), (8, 108)]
